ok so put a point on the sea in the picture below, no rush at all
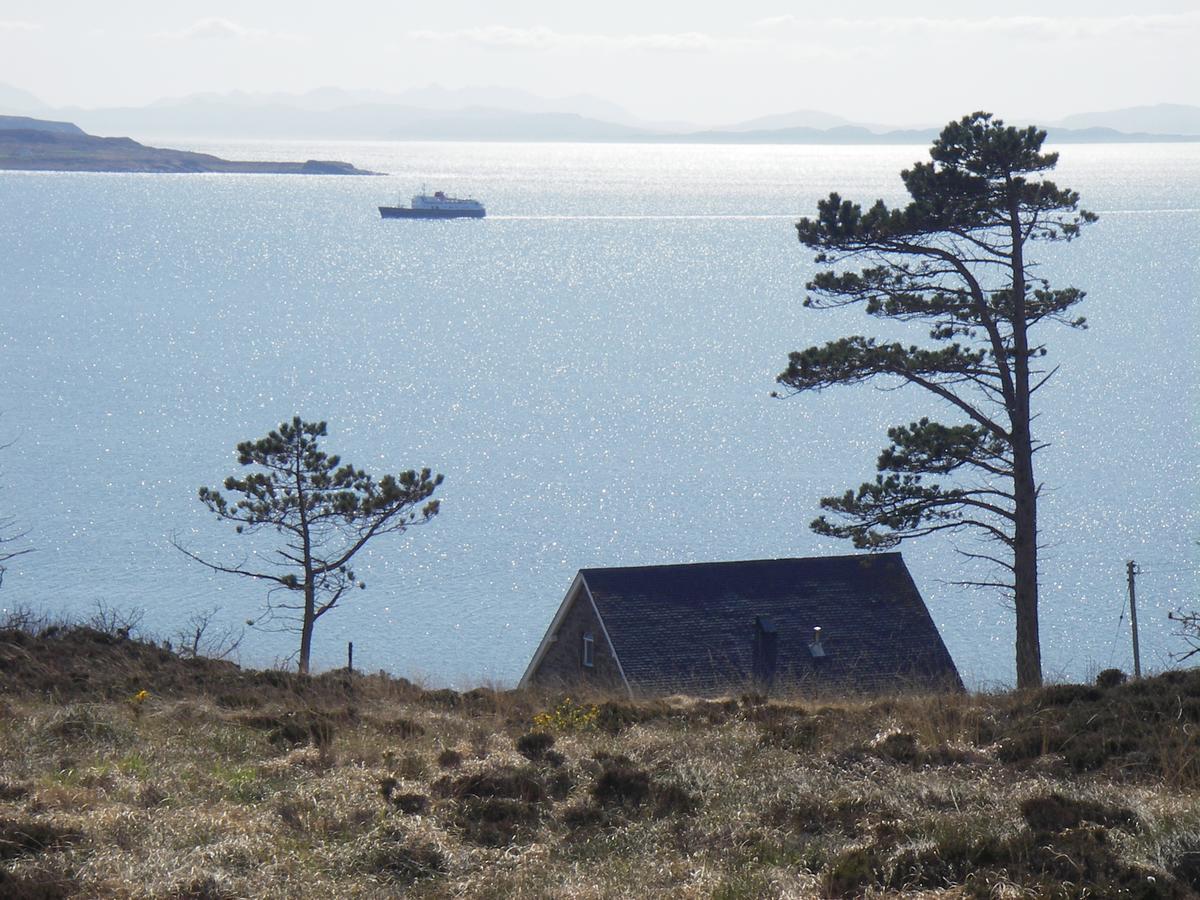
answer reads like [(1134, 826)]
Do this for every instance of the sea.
[(590, 367)]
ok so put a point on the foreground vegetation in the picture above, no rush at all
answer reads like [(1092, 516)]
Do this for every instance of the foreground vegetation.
[(127, 771)]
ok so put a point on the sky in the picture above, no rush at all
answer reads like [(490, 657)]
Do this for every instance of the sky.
[(915, 63)]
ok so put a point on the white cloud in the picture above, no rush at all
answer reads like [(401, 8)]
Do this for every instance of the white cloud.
[(546, 39), (1035, 27), (11, 25), (217, 29)]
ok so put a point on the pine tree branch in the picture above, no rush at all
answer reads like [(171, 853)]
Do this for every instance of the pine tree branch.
[(1002, 585), (1044, 379), (282, 580), (1005, 564)]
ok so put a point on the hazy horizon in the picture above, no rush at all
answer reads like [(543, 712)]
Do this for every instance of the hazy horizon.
[(710, 64)]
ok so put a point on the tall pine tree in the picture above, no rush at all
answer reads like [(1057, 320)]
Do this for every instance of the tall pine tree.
[(954, 260)]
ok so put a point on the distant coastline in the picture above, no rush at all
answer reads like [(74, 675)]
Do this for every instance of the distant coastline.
[(854, 134), (28, 144)]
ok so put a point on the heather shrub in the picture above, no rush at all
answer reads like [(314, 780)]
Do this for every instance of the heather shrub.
[(535, 744), (395, 857)]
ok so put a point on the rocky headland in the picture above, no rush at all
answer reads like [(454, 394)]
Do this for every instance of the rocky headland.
[(40, 145)]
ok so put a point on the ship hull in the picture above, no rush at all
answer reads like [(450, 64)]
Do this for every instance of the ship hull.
[(404, 212)]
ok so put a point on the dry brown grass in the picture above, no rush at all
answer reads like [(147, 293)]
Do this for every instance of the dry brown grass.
[(368, 787)]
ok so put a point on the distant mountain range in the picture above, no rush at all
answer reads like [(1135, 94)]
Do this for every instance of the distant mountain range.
[(1163, 118), (505, 114), (436, 97)]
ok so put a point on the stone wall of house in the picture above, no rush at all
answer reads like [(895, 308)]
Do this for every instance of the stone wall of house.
[(562, 666)]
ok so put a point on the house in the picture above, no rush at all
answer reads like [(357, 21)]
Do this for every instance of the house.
[(824, 624)]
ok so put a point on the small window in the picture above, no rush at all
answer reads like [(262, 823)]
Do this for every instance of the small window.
[(589, 649)]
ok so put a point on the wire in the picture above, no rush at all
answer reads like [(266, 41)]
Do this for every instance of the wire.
[(1112, 646)]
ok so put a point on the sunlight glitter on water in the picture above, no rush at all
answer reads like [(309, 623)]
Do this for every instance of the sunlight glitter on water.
[(590, 367)]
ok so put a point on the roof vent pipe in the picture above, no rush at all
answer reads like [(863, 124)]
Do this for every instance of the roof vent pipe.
[(815, 647)]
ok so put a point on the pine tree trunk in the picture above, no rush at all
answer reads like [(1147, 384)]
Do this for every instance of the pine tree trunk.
[(309, 619), (1025, 570), (306, 625), (1029, 650)]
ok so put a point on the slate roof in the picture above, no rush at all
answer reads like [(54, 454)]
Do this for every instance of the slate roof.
[(690, 628)]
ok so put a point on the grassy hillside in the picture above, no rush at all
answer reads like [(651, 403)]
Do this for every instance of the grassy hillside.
[(220, 783)]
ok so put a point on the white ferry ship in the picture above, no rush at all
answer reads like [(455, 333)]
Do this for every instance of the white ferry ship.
[(436, 206)]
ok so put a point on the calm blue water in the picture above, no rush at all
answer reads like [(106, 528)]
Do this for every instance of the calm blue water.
[(590, 367)]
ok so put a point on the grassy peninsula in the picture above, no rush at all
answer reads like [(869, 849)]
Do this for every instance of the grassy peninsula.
[(127, 770), (37, 145)]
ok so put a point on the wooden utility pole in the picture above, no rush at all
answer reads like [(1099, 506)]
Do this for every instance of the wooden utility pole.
[(1132, 570)]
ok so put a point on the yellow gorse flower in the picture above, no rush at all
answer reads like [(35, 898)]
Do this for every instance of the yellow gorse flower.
[(141, 696), (568, 716)]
